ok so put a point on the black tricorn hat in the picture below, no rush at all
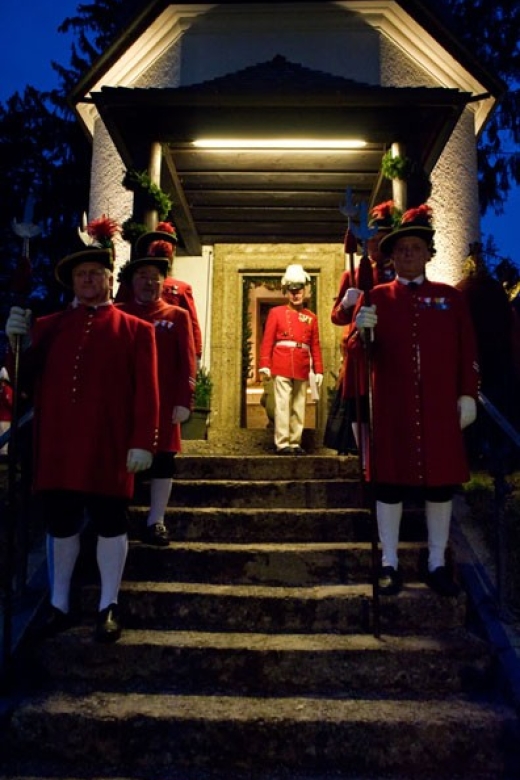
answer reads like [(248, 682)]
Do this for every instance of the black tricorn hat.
[(156, 247), (414, 222), (99, 248), (164, 231)]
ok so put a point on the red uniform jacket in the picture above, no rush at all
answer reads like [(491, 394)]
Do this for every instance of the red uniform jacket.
[(423, 359), (349, 377), (6, 402), (294, 362), (96, 397), (175, 293), (178, 293), (176, 364)]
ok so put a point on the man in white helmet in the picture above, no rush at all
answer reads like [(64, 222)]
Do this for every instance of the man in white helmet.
[(290, 346)]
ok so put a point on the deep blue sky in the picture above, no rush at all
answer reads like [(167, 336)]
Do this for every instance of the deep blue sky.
[(29, 41)]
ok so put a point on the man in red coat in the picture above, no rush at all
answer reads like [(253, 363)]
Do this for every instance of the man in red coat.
[(174, 291), (290, 347), (177, 367), (424, 380), (353, 395), (96, 408), (179, 293)]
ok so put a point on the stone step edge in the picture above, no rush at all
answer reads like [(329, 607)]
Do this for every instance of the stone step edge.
[(454, 642), (275, 547), (253, 511), (274, 710), (411, 590)]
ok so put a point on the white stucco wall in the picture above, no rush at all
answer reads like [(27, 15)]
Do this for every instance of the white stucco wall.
[(454, 197), (454, 202), (321, 37), (107, 195)]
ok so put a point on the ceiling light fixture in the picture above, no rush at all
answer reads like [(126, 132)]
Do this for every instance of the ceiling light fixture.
[(278, 143)]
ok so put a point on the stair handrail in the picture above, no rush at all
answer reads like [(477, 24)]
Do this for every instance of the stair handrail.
[(15, 577), (498, 471)]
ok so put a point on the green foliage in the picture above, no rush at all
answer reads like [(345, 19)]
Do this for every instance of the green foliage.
[(395, 167), (203, 389), (155, 198), (131, 230)]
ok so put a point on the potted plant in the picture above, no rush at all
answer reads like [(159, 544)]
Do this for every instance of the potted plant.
[(197, 424)]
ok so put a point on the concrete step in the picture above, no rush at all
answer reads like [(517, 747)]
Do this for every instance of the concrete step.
[(256, 664), (343, 609), (266, 467), (271, 524), (146, 732), (304, 493), (285, 564)]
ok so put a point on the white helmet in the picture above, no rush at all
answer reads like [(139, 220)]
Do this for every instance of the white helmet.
[(295, 275), (4, 374)]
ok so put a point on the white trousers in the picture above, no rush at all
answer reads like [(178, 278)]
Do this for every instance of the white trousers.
[(290, 396)]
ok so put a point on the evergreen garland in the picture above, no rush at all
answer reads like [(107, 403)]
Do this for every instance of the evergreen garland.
[(140, 183), (395, 167)]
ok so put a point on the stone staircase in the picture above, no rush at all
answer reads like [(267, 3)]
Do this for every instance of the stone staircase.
[(249, 649)]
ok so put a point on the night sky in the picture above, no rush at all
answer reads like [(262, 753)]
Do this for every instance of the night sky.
[(29, 41)]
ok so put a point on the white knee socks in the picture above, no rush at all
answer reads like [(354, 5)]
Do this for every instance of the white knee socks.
[(111, 558), (438, 517), (388, 524), (160, 491), (62, 554)]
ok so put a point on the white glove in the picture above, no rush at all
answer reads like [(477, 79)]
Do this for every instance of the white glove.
[(265, 371), (199, 363), (138, 460), (366, 318), (19, 324), (180, 414), (350, 298), (319, 380), (467, 408)]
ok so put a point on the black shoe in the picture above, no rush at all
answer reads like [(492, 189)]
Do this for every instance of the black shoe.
[(156, 534), (441, 581), (390, 581), (299, 450), (108, 628), (285, 451), (56, 622)]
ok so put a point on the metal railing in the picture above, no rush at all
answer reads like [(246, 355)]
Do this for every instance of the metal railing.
[(499, 455), (15, 534)]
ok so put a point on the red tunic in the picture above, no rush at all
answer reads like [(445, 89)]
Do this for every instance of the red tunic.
[(175, 293), (293, 362), (96, 397), (423, 359), (339, 316), (176, 364), (6, 402), (178, 293)]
